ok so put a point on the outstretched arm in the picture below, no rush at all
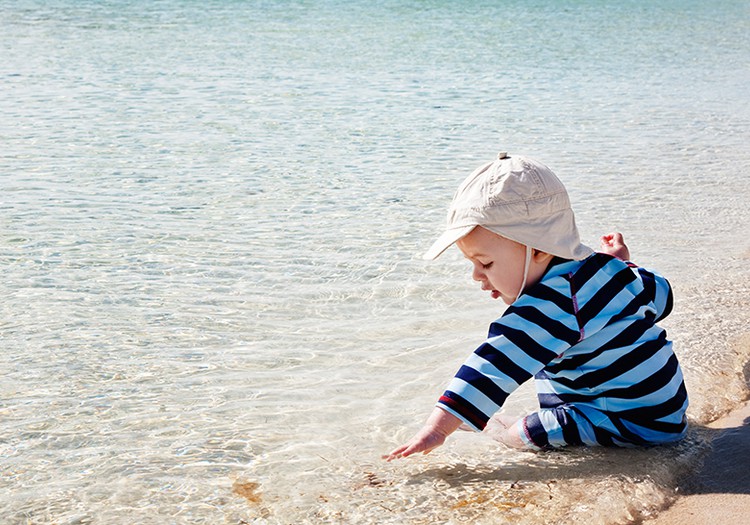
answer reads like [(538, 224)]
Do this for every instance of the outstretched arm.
[(439, 426), (613, 244)]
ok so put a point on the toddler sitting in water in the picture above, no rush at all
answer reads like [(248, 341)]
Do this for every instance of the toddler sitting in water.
[(583, 324)]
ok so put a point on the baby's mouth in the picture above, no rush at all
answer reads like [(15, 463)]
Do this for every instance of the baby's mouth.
[(493, 293)]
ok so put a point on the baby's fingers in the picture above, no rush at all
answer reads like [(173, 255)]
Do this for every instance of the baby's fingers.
[(607, 240), (406, 451), (612, 239), (395, 454)]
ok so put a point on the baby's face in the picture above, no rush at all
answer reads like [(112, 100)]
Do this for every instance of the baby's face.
[(498, 262)]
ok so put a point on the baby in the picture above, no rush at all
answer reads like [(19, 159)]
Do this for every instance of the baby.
[(582, 323)]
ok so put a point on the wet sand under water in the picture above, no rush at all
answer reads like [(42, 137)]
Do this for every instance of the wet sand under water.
[(471, 480)]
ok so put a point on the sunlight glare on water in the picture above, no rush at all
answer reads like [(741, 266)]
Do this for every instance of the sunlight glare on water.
[(214, 310)]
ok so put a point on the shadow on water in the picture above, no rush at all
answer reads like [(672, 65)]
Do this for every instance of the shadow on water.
[(726, 467), (579, 463)]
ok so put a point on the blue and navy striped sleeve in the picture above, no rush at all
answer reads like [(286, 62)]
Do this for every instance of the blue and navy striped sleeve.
[(658, 289), (532, 332)]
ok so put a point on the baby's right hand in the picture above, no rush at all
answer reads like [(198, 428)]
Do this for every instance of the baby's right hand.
[(439, 426), (423, 441), (613, 244)]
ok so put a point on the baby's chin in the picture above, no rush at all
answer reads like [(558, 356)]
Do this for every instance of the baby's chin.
[(497, 295), (507, 300)]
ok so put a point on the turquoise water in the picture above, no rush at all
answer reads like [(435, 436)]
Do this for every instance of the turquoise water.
[(214, 310)]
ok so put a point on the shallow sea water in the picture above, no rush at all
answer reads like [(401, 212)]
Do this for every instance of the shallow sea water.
[(214, 310)]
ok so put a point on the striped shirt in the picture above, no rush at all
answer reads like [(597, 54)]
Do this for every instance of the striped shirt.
[(587, 333)]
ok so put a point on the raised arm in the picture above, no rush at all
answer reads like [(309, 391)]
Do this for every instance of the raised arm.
[(659, 288), (613, 244)]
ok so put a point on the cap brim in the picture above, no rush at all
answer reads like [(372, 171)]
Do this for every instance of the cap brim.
[(445, 240)]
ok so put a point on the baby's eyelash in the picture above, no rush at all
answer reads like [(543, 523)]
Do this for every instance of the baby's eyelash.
[(487, 266)]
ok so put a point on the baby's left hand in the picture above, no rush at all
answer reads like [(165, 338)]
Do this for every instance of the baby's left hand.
[(613, 244)]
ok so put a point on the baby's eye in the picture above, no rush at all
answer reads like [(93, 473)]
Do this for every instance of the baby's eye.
[(486, 266)]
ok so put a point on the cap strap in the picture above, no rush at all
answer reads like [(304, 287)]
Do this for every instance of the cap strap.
[(526, 266)]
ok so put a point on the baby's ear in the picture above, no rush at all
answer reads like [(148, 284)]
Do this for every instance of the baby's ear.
[(540, 256)]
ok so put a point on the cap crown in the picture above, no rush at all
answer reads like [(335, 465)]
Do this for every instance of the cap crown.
[(520, 199), (507, 191)]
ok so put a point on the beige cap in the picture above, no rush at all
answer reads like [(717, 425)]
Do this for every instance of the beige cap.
[(520, 199)]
